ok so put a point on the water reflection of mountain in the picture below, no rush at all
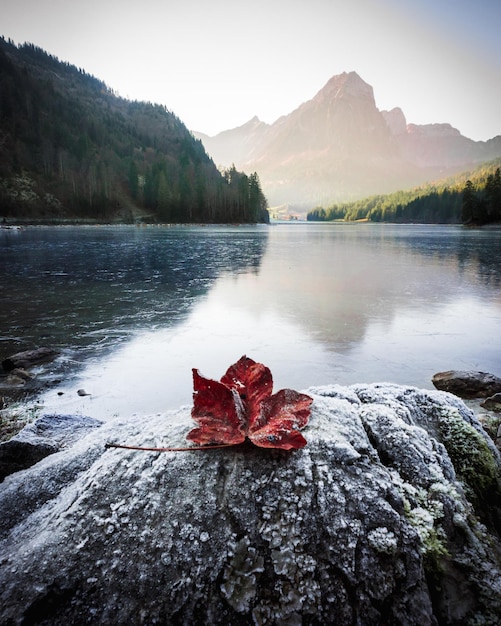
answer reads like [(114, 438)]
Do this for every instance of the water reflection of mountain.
[(337, 281), (90, 288)]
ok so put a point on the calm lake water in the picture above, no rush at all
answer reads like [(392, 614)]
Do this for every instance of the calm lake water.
[(133, 309)]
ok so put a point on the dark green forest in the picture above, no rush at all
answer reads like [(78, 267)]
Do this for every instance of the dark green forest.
[(472, 198), (72, 148)]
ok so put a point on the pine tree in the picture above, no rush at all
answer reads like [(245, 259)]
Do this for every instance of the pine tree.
[(493, 196), (469, 203)]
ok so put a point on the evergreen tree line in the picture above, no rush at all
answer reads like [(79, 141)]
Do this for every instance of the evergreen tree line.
[(482, 204), (472, 197), (69, 146)]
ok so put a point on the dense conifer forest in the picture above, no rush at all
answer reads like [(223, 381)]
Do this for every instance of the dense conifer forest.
[(470, 198), (72, 148)]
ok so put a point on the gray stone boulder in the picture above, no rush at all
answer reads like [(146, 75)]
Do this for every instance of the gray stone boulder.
[(493, 403), (29, 358), (467, 384), (390, 515), (37, 440)]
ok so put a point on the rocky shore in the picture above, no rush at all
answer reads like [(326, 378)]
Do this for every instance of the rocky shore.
[(390, 514), (25, 439), (482, 393), (19, 381)]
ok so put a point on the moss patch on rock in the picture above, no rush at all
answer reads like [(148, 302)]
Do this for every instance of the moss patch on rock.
[(472, 458)]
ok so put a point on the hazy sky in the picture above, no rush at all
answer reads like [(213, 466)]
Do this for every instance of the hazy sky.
[(217, 63)]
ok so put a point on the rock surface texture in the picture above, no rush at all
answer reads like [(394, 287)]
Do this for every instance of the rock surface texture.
[(390, 515), (45, 436)]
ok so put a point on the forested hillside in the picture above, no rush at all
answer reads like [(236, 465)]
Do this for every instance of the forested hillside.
[(470, 198), (70, 147)]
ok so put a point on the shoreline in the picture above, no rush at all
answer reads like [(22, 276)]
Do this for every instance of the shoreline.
[(150, 219), (21, 408)]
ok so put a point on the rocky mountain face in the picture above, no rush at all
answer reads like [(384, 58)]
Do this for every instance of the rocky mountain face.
[(339, 146), (389, 515)]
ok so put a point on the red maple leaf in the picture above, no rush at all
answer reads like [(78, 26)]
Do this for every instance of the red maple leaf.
[(242, 405)]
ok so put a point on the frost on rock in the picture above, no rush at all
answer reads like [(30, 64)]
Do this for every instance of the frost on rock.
[(389, 515), (37, 440)]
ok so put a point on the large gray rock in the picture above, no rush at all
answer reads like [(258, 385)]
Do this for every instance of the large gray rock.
[(467, 384), (388, 516)]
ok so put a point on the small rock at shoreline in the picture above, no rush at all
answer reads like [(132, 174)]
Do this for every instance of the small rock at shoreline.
[(28, 358), (19, 376), (493, 403), (467, 384)]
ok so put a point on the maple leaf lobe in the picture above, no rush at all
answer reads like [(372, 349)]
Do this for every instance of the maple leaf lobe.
[(254, 383), (217, 413), (242, 405)]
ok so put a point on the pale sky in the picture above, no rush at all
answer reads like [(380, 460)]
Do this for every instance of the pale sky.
[(217, 63)]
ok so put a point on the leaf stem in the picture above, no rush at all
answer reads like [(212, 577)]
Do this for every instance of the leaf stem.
[(187, 449)]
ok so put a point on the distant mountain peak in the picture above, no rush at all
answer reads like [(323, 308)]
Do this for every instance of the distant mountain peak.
[(434, 130), (347, 84), (339, 146), (395, 119), (252, 123), (250, 126)]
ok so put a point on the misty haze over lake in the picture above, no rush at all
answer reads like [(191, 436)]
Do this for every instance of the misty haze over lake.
[(134, 309)]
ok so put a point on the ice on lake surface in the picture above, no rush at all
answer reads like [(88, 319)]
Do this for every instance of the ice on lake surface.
[(135, 309)]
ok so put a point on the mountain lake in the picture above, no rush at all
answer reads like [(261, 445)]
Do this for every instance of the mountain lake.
[(133, 309)]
